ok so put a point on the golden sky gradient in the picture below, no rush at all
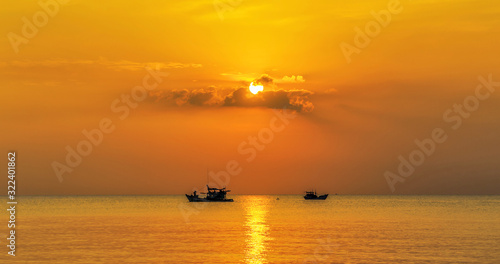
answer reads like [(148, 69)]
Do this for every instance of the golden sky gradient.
[(353, 119)]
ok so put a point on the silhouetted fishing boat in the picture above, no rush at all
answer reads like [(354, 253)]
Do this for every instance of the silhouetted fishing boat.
[(213, 195), (314, 196)]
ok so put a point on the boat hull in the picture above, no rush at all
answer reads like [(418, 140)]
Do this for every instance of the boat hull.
[(321, 197), (194, 199)]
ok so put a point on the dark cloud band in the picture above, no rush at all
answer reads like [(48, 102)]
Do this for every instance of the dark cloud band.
[(211, 97)]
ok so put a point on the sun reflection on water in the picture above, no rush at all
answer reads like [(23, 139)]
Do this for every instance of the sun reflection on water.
[(257, 229)]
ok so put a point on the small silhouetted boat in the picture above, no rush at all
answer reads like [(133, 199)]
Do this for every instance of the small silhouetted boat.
[(314, 196), (213, 195)]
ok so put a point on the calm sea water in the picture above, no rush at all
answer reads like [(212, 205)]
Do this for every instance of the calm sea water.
[(257, 229)]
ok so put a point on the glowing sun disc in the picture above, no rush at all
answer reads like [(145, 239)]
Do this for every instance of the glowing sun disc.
[(255, 88)]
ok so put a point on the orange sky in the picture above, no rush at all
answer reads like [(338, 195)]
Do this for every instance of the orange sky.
[(352, 121)]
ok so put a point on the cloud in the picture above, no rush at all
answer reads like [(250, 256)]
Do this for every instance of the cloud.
[(271, 97), (117, 65), (199, 97), (265, 80), (211, 97), (293, 79)]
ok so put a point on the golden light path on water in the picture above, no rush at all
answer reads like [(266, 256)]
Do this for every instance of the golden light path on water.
[(257, 233)]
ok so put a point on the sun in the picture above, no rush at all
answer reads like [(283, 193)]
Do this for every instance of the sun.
[(255, 88)]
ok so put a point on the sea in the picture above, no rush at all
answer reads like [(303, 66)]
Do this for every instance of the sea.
[(255, 229)]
